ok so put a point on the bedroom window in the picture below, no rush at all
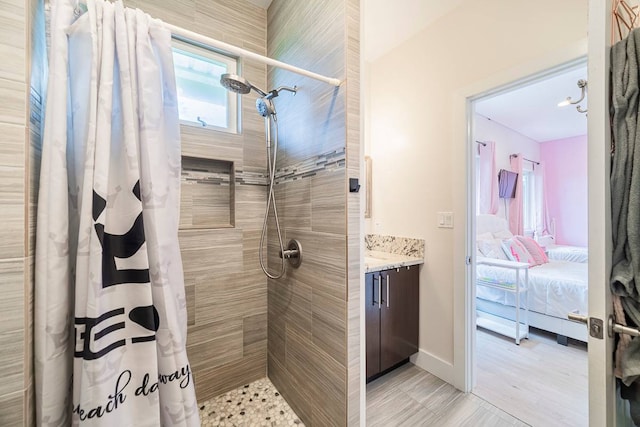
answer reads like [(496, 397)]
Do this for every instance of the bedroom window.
[(202, 101), (528, 202)]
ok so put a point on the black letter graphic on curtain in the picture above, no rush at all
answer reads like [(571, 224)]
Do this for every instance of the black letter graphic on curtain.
[(120, 246)]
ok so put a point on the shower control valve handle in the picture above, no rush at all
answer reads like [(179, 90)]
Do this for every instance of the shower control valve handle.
[(293, 253)]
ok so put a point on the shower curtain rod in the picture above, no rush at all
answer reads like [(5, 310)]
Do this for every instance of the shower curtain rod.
[(525, 159), (184, 34)]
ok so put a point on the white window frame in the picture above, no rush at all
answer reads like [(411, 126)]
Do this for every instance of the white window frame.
[(528, 202), (233, 99)]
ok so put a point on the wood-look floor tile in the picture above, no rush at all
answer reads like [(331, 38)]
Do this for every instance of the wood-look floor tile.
[(560, 384), (421, 386), (389, 405)]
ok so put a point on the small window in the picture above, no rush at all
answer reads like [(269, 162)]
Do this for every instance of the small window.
[(202, 101), (528, 201)]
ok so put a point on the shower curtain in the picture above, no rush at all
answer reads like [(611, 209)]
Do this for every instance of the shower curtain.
[(516, 225), (110, 318), (488, 179), (625, 211)]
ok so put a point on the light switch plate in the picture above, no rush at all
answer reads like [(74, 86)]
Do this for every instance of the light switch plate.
[(445, 219)]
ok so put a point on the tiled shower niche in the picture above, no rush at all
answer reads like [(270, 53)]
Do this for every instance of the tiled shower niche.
[(207, 194)]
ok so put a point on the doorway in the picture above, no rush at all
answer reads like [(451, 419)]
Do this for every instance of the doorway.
[(532, 353)]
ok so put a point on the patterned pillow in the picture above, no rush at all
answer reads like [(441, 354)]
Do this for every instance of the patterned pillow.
[(517, 252), (491, 248), (534, 249)]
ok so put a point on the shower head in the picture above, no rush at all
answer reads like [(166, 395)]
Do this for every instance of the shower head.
[(238, 84), (265, 107)]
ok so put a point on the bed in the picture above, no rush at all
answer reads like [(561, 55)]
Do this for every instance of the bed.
[(563, 252), (554, 289)]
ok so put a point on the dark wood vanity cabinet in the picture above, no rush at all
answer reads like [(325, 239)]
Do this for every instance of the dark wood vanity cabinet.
[(391, 301)]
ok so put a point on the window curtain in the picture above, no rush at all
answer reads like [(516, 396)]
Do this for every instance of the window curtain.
[(625, 211), (487, 179), (516, 225), (542, 226), (110, 318)]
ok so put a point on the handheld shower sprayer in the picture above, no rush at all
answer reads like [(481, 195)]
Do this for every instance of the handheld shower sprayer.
[(266, 108)]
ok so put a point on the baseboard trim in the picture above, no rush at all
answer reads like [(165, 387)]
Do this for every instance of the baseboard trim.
[(434, 365)]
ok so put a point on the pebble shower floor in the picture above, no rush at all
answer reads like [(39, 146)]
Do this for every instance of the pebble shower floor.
[(257, 404)]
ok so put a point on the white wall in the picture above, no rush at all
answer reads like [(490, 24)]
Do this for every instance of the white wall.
[(507, 142), (412, 139)]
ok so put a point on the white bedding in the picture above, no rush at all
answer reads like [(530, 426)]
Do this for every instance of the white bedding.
[(567, 253), (555, 288)]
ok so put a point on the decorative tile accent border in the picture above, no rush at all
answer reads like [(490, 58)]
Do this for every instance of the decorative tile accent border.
[(206, 171), (255, 404), (395, 245), (327, 161), (309, 167), (251, 178)]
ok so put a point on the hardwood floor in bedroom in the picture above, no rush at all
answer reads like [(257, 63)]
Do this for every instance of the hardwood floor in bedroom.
[(538, 383)]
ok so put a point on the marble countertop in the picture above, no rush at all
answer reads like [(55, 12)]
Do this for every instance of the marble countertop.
[(378, 261)]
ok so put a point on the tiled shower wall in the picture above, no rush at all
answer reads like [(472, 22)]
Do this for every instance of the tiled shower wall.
[(226, 290), (314, 311), (21, 94)]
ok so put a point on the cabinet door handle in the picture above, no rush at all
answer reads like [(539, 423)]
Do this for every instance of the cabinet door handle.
[(373, 291), (379, 291), (388, 291)]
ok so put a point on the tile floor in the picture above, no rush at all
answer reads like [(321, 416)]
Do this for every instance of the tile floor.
[(255, 404), (410, 396)]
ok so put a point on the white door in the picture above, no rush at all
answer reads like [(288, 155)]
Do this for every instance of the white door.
[(601, 380)]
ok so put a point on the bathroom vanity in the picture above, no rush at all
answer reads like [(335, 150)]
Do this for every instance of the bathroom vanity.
[(392, 311)]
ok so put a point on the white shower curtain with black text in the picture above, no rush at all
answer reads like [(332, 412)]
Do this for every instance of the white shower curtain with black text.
[(110, 312)]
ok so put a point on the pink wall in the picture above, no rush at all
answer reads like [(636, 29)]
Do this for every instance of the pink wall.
[(566, 176)]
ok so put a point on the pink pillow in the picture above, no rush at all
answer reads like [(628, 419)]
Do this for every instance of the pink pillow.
[(534, 249), (517, 252)]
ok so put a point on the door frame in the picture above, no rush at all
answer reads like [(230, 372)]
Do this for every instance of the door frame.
[(602, 401), (464, 195), (471, 187), (596, 47)]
